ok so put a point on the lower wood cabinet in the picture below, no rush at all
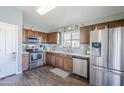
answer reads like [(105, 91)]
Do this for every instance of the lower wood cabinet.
[(25, 61), (48, 58), (53, 59), (60, 60), (68, 63)]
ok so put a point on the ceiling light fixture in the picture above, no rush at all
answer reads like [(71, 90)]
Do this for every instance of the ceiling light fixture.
[(44, 9)]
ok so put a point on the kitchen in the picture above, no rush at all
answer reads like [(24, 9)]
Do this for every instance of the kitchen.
[(72, 54)]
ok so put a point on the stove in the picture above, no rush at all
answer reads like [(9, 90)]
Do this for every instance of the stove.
[(36, 58)]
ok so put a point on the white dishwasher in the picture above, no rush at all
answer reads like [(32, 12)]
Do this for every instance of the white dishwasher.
[(80, 67)]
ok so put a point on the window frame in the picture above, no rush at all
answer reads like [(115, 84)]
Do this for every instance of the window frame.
[(71, 39)]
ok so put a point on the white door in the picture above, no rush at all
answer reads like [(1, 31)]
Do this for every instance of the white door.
[(8, 49)]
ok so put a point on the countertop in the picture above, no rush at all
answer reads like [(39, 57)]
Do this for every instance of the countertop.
[(75, 55), (25, 53)]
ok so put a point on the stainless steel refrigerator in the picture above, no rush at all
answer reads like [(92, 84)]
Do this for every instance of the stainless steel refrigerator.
[(107, 57)]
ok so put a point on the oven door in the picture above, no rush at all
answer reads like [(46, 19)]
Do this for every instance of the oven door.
[(35, 57)]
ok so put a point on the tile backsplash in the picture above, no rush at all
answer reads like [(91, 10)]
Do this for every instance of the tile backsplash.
[(81, 50)]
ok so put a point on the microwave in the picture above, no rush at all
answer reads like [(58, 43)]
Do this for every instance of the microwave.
[(33, 40)]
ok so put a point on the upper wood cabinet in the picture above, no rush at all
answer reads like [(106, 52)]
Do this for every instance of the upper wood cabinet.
[(100, 26), (85, 34), (31, 33), (43, 37), (24, 35), (37, 34), (52, 38), (117, 23), (49, 38)]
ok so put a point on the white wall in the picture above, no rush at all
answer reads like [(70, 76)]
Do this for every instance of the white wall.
[(12, 15), (28, 25)]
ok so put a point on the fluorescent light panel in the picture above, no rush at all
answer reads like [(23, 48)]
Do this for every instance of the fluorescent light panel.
[(44, 9)]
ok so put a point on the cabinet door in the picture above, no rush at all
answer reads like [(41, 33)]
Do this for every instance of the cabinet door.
[(24, 35), (53, 59), (101, 26), (31, 33), (85, 34), (68, 63), (37, 34), (48, 58), (25, 62), (54, 37), (48, 38), (44, 37), (59, 61)]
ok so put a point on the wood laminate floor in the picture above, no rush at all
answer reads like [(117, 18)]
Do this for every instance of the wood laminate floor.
[(41, 76)]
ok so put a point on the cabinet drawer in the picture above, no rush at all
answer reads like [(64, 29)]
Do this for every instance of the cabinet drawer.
[(68, 56), (60, 55)]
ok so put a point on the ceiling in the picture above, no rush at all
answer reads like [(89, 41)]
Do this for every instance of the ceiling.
[(65, 15)]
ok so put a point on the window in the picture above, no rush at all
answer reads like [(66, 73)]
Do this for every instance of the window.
[(70, 39)]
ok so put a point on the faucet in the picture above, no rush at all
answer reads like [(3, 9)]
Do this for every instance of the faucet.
[(70, 50)]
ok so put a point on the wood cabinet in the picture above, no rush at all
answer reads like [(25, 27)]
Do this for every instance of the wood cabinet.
[(117, 23), (100, 26), (85, 34), (25, 61), (24, 35), (31, 33), (52, 38), (49, 38), (43, 37), (53, 59), (37, 34), (68, 63), (48, 58), (59, 60)]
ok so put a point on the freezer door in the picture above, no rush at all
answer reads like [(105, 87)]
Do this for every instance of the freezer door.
[(116, 49), (99, 48), (105, 77), (97, 76)]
